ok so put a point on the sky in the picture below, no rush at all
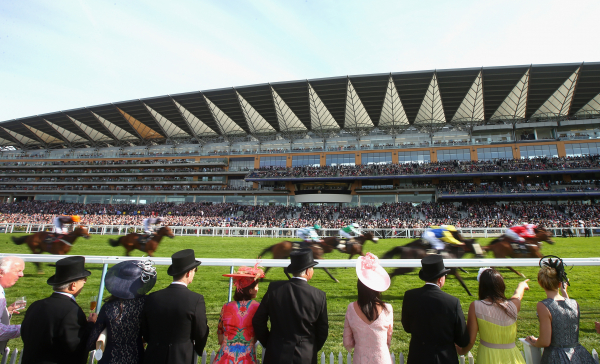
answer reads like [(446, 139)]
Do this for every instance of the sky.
[(65, 54)]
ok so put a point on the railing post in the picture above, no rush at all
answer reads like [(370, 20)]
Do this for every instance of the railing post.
[(230, 284), (101, 290)]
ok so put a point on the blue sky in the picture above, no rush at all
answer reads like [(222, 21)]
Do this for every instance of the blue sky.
[(64, 54)]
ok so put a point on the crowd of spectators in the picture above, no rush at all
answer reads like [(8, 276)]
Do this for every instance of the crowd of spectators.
[(387, 215)]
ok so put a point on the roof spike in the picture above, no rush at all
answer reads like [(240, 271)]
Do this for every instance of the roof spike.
[(431, 116), (45, 138), (289, 124), (21, 139), (229, 129), (119, 133), (393, 119), (514, 106), (92, 133), (357, 120), (169, 128), (470, 113), (143, 130), (259, 127), (559, 103), (322, 122), (69, 136), (201, 131)]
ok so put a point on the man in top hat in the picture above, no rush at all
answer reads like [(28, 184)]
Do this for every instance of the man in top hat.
[(11, 269), (174, 319), (433, 318), (298, 314), (55, 329)]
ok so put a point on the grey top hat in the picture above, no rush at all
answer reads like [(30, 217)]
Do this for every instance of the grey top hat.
[(301, 259), (131, 279), (69, 270), (433, 268)]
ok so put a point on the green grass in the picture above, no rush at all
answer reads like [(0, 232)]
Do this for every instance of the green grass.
[(214, 287)]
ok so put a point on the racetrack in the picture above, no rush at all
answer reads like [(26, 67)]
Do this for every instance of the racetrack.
[(209, 282)]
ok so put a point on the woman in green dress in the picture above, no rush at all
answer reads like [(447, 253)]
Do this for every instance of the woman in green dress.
[(495, 318)]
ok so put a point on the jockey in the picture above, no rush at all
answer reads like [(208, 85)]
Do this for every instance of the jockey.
[(438, 236), (61, 221), (350, 231), (518, 234), (148, 223), (309, 234)]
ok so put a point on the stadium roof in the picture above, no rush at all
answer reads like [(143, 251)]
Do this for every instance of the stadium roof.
[(356, 104)]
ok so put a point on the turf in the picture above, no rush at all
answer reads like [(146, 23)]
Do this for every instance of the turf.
[(214, 287)]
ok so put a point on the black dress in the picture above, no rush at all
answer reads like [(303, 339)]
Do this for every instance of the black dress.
[(124, 339)]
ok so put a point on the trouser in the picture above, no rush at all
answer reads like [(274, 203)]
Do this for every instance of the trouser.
[(345, 234), (59, 228), (514, 236), (437, 244)]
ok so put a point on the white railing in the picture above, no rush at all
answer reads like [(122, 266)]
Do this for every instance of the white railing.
[(285, 233), (531, 355)]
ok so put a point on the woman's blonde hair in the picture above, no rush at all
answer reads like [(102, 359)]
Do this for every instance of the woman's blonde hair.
[(548, 278)]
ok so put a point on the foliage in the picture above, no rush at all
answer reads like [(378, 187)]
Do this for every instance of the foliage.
[(214, 287)]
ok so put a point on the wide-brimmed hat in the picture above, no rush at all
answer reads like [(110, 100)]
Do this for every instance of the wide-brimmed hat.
[(433, 268), (183, 261), (69, 270), (371, 274), (131, 279), (302, 259), (245, 276)]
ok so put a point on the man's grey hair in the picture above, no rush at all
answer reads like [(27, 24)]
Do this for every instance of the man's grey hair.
[(7, 262), (61, 287)]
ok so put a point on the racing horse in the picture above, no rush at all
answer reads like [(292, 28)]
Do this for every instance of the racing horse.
[(352, 248), (418, 250), (46, 242), (132, 241), (282, 251), (502, 246)]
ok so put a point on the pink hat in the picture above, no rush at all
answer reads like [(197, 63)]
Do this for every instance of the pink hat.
[(371, 274)]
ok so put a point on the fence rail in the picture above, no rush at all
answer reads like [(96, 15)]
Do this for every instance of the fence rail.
[(289, 233), (531, 356)]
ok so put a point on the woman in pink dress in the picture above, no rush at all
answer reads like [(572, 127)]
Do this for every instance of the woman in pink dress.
[(369, 321), (235, 331)]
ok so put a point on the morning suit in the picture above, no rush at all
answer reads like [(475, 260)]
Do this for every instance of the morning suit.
[(55, 330), (299, 326), (174, 325), (435, 321)]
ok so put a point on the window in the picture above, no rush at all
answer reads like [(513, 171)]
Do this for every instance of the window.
[(488, 154), (241, 164), (580, 149), (151, 199), (376, 200), (240, 200), (453, 155), (421, 156), (276, 161), (271, 200), (533, 151), (377, 158), (340, 159), (212, 198), (305, 160)]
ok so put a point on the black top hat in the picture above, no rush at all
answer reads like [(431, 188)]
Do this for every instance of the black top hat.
[(301, 259), (131, 279), (69, 270), (433, 268), (183, 261)]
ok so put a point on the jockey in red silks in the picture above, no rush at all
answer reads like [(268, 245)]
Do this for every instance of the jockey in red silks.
[(519, 233)]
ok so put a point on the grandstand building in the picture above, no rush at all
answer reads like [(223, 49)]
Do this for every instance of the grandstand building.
[(500, 133)]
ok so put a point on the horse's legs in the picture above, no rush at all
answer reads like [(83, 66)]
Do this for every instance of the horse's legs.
[(266, 270), (39, 267), (332, 277), (351, 255), (517, 272), (454, 271)]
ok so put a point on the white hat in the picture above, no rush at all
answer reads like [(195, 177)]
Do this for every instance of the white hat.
[(371, 274)]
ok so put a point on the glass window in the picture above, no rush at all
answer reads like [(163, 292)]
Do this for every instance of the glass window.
[(120, 199), (274, 161), (241, 200), (533, 151), (209, 198), (98, 199), (579, 149), (47, 197), (488, 154), (347, 159), (176, 199), (151, 199), (376, 200), (241, 164), (377, 158), (72, 198), (271, 200), (421, 156), (305, 160), (453, 155), (416, 198)]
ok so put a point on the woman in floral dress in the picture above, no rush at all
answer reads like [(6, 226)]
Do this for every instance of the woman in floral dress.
[(235, 331)]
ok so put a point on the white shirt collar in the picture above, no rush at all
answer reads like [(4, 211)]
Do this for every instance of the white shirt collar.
[(432, 284), (302, 278), (68, 295), (181, 283)]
